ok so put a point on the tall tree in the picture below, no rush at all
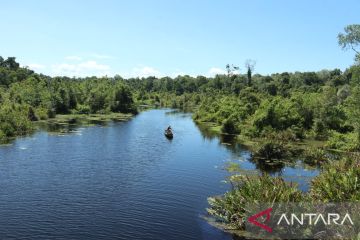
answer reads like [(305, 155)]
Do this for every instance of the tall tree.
[(250, 66), (351, 39)]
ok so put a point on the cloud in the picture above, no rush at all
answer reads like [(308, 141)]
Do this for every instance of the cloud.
[(36, 66), (215, 71), (75, 58), (219, 71), (145, 72), (82, 69)]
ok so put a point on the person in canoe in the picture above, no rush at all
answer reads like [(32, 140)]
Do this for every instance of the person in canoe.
[(168, 132)]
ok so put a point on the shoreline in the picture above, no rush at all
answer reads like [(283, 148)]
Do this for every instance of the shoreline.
[(72, 119)]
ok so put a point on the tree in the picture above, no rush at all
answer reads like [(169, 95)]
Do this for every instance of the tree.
[(354, 110), (351, 39), (249, 65), (10, 63), (231, 69), (122, 100)]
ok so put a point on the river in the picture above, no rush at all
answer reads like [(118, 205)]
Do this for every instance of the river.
[(122, 180)]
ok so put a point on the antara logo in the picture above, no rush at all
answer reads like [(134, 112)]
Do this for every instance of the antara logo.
[(253, 220), (314, 219), (300, 219)]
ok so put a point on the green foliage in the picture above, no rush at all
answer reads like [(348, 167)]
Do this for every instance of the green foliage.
[(14, 120), (230, 208), (344, 142), (320, 129), (42, 113), (122, 100), (315, 156), (353, 110), (281, 107), (339, 181), (351, 38), (31, 114), (271, 150), (82, 109), (26, 96), (281, 114), (229, 125)]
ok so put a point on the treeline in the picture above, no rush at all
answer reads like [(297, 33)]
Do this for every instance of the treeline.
[(292, 106), (285, 106), (289, 106), (26, 96)]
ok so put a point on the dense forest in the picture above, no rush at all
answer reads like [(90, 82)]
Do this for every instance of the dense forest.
[(283, 106), (26, 97), (276, 109)]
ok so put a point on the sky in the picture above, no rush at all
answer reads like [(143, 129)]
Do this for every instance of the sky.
[(175, 37)]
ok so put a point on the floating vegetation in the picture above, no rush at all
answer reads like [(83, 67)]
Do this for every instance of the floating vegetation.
[(63, 125)]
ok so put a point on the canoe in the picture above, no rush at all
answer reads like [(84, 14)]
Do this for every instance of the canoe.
[(168, 134)]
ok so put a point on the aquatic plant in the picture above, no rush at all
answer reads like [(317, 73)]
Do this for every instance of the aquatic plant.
[(315, 156), (271, 150), (339, 181), (230, 208)]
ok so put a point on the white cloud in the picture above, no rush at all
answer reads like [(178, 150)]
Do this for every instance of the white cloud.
[(219, 71), (82, 69), (75, 58), (36, 66), (145, 72), (214, 71)]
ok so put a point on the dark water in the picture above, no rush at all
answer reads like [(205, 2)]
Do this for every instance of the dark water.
[(121, 181)]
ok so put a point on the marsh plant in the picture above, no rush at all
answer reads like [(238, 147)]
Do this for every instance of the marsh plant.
[(231, 208), (338, 182)]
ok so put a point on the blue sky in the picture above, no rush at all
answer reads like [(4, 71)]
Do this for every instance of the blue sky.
[(158, 37)]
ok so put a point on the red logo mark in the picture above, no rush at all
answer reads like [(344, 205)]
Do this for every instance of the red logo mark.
[(253, 218)]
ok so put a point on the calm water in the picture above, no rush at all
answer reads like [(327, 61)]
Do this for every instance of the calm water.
[(120, 181)]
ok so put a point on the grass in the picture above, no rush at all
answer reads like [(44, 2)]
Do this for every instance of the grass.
[(230, 209), (339, 181)]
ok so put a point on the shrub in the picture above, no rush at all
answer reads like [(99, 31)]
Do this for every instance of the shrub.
[(345, 142), (230, 209), (338, 182), (31, 114), (229, 126), (271, 150), (51, 113), (14, 120), (319, 129), (2, 136), (315, 156), (42, 113), (83, 109)]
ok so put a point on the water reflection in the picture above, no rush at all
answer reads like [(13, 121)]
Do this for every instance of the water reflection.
[(68, 127), (122, 181), (291, 169)]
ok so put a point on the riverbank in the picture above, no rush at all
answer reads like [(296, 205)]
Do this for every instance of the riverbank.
[(70, 119), (336, 182), (80, 118), (306, 146)]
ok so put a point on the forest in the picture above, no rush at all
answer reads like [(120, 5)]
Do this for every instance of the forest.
[(275, 112), (283, 106)]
